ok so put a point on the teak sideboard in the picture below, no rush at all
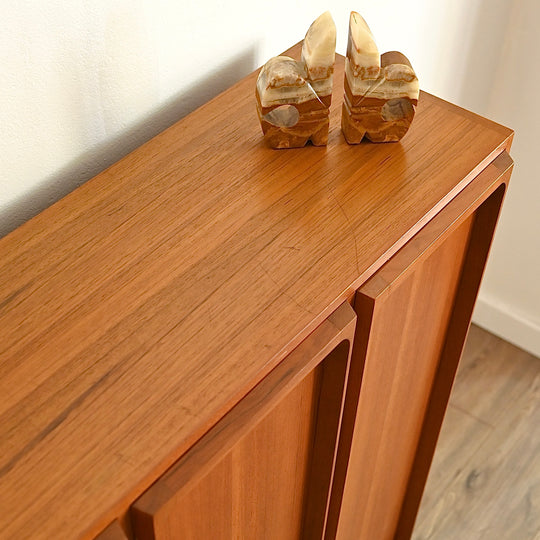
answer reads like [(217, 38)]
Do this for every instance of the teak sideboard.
[(216, 340)]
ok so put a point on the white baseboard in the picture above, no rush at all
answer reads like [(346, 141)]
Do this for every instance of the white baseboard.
[(501, 320)]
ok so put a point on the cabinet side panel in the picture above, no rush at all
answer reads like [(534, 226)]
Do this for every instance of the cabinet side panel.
[(405, 337)]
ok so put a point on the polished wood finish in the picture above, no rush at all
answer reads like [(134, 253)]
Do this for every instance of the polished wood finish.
[(113, 532), (485, 476), (406, 336), (413, 315), (265, 469), (138, 310), (485, 219)]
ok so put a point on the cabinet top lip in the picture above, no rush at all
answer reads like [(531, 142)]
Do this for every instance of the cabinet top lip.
[(140, 308)]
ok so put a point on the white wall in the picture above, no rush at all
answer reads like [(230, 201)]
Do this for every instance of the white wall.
[(83, 83), (509, 302)]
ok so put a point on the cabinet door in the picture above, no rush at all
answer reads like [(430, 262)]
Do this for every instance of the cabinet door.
[(413, 317), (265, 470)]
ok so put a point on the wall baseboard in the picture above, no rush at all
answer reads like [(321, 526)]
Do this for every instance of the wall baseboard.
[(499, 319)]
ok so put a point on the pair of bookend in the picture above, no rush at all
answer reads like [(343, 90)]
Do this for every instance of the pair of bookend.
[(381, 92), (293, 97)]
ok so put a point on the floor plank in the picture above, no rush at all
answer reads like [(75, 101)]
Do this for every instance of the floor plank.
[(485, 480)]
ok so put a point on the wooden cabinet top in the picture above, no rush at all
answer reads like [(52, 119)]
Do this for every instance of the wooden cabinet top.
[(138, 309)]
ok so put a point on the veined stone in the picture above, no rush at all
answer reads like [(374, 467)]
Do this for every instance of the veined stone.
[(362, 51), (380, 92), (319, 48), (395, 81), (282, 80), (293, 97), (283, 116)]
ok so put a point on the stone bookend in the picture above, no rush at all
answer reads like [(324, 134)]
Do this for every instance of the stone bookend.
[(293, 97), (381, 92)]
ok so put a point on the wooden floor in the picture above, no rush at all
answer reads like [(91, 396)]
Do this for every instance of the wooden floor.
[(485, 480)]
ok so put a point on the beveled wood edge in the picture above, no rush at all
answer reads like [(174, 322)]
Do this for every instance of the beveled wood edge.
[(364, 317), (350, 292), (333, 379), (200, 458), (429, 216), (483, 228), (430, 237), (113, 532)]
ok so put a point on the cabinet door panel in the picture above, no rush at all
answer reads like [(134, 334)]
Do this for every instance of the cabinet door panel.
[(406, 339), (264, 471), (413, 316)]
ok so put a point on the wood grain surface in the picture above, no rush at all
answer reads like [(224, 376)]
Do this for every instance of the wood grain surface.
[(485, 219), (264, 470), (256, 490), (112, 532), (397, 380), (136, 311), (408, 319), (416, 309)]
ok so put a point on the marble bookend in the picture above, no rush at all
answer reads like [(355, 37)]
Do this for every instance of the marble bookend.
[(381, 92), (293, 97)]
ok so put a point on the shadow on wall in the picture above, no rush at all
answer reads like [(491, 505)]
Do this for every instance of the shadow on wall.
[(95, 160), (481, 65)]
